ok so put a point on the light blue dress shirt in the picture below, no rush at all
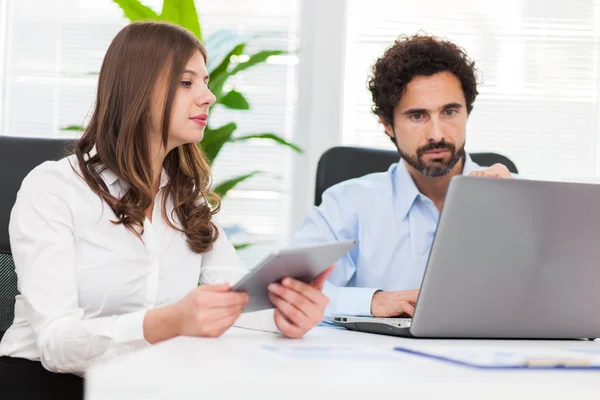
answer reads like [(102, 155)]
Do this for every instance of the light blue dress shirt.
[(394, 225)]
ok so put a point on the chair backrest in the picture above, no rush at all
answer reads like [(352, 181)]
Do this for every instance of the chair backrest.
[(18, 156), (342, 163)]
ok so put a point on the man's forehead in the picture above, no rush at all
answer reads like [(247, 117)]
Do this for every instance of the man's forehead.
[(432, 92)]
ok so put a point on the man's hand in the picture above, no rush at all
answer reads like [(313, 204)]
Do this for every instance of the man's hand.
[(393, 304), (495, 171), (299, 306)]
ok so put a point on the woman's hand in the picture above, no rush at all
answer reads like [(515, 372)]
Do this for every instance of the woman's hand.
[(210, 310), (206, 311), (299, 306)]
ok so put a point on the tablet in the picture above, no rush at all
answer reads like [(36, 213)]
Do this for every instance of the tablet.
[(301, 263)]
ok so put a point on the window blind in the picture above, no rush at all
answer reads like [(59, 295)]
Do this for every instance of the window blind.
[(539, 64)]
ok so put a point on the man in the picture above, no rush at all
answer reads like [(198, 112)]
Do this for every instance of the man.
[(423, 91)]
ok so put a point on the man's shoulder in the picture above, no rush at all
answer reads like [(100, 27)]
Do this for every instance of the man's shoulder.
[(356, 191)]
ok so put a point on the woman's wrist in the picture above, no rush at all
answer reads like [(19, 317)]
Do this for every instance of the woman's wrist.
[(161, 324)]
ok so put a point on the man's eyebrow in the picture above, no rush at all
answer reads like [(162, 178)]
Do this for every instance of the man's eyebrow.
[(411, 111), (414, 111), (452, 105)]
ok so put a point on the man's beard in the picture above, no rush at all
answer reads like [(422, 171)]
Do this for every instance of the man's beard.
[(436, 168)]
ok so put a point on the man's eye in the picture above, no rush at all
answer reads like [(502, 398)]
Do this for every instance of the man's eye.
[(450, 113), (416, 117)]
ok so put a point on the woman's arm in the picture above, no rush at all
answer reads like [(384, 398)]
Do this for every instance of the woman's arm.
[(43, 243), (43, 248)]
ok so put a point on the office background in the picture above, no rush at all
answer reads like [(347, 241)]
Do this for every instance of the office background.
[(538, 102)]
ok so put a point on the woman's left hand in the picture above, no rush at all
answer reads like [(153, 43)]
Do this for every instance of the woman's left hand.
[(299, 306)]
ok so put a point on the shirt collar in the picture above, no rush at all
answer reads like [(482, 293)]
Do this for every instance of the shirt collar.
[(164, 178), (110, 178), (406, 189), (470, 165)]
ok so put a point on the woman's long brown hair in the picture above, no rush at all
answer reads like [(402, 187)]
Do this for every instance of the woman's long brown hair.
[(120, 129)]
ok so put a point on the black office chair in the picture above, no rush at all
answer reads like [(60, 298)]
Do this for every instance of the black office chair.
[(342, 163), (18, 156)]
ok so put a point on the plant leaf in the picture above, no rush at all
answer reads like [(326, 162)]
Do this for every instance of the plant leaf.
[(234, 100), (136, 11), (214, 139), (223, 187), (222, 68), (73, 128), (269, 136), (255, 59), (241, 246), (183, 13), (220, 45), (216, 85), (218, 80), (219, 74)]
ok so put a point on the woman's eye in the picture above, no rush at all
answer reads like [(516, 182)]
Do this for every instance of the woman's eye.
[(186, 84)]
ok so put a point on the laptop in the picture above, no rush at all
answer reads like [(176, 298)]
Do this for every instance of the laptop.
[(511, 259)]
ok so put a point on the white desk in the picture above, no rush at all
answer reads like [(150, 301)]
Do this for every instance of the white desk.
[(238, 366)]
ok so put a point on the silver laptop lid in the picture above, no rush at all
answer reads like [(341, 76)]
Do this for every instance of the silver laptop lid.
[(513, 259)]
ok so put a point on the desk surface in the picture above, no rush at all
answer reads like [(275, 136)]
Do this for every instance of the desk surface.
[(261, 365)]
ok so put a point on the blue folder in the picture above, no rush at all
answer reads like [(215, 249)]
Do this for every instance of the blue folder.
[(487, 358)]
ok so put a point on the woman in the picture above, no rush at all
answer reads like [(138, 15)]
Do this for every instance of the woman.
[(110, 243)]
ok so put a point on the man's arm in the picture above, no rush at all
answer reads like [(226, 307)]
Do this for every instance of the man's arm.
[(336, 219)]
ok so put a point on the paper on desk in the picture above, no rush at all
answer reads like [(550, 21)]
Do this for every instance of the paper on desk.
[(330, 352), (510, 357)]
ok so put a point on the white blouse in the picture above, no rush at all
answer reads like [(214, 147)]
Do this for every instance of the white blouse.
[(87, 283)]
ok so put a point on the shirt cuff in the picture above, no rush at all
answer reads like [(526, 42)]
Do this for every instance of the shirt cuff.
[(129, 328), (354, 301)]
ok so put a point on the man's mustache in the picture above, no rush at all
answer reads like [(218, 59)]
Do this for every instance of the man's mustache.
[(436, 146)]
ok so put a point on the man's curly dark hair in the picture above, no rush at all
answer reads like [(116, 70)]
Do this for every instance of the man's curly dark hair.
[(418, 55)]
